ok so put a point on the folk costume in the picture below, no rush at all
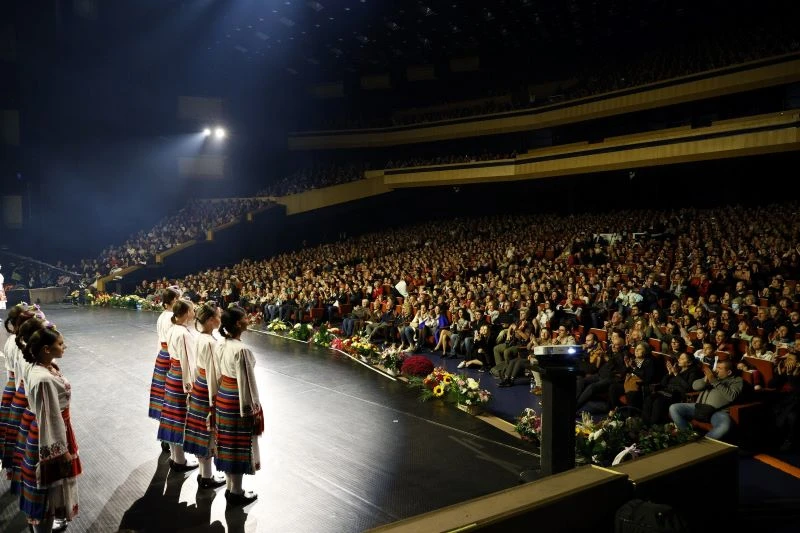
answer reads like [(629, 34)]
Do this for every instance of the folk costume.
[(182, 346), (8, 396), (198, 438), (163, 326), (51, 463), (235, 404)]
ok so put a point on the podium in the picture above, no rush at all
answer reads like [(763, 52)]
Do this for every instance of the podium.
[(560, 367)]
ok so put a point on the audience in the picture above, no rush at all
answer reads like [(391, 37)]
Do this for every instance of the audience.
[(726, 46)]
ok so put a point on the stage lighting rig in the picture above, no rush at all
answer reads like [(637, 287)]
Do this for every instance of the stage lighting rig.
[(218, 132)]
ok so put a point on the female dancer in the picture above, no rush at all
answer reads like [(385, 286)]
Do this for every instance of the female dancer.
[(51, 463), (235, 407), (198, 439), (181, 345), (20, 416), (9, 350), (163, 325)]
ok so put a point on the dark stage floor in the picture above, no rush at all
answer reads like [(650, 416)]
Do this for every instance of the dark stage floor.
[(345, 449)]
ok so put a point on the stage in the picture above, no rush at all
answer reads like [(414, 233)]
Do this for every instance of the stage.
[(345, 448)]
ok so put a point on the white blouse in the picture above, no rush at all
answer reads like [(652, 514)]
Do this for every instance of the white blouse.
[(182, 346), (49, 394), (208, 353), (163, 325), (9, 350)]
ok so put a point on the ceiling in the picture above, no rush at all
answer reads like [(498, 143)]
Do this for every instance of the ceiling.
[(331, 40), (327, 39)]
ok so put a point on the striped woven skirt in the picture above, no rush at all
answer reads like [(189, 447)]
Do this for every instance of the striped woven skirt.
[(5, 410), (197, 438), (54, 493), (19, 451), (18, 406), (237, 450), (173, 413), (157, 384)]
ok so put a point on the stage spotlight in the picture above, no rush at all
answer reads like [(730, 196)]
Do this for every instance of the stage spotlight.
[(219, 133), (206, 132)]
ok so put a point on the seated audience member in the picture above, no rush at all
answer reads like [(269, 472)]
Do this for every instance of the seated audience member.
[(719, 389), (681, 374), (787, 407), (479, 349)]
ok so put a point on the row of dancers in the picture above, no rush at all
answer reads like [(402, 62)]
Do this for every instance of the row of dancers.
[(204, 394), (37, 443)]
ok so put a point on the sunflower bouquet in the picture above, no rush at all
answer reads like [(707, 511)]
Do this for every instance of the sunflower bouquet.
[(435, 384)]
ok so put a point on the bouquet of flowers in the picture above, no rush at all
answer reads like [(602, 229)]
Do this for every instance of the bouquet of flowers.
[(337, 344), (467, 391), (660, 437), (360, 347), (615, 437), (529, 426), (392, 358), (323, 336), (300, 332), (416, 366), (147, 305), (254, 319), (278, 326), (435, 384), (103, 300), (599, 442), (132, 301)]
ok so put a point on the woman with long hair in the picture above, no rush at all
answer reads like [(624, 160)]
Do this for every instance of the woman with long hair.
[(237, 409), (51, 463), (181, 345), (682, 371), (198, 439)]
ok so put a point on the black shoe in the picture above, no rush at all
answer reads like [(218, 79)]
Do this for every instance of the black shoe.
[(209, 482), (505, 383), (240, 499), (185, 467), (164, 447), (59, 524)]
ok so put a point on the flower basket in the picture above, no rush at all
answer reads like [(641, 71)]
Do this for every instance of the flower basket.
[(467, 391), (361, 348), (278, 326), (615, 438), (392, 359), (337, 344), (529, 426), (323, 336), (300, 332), (416, 365), (469, 409)]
